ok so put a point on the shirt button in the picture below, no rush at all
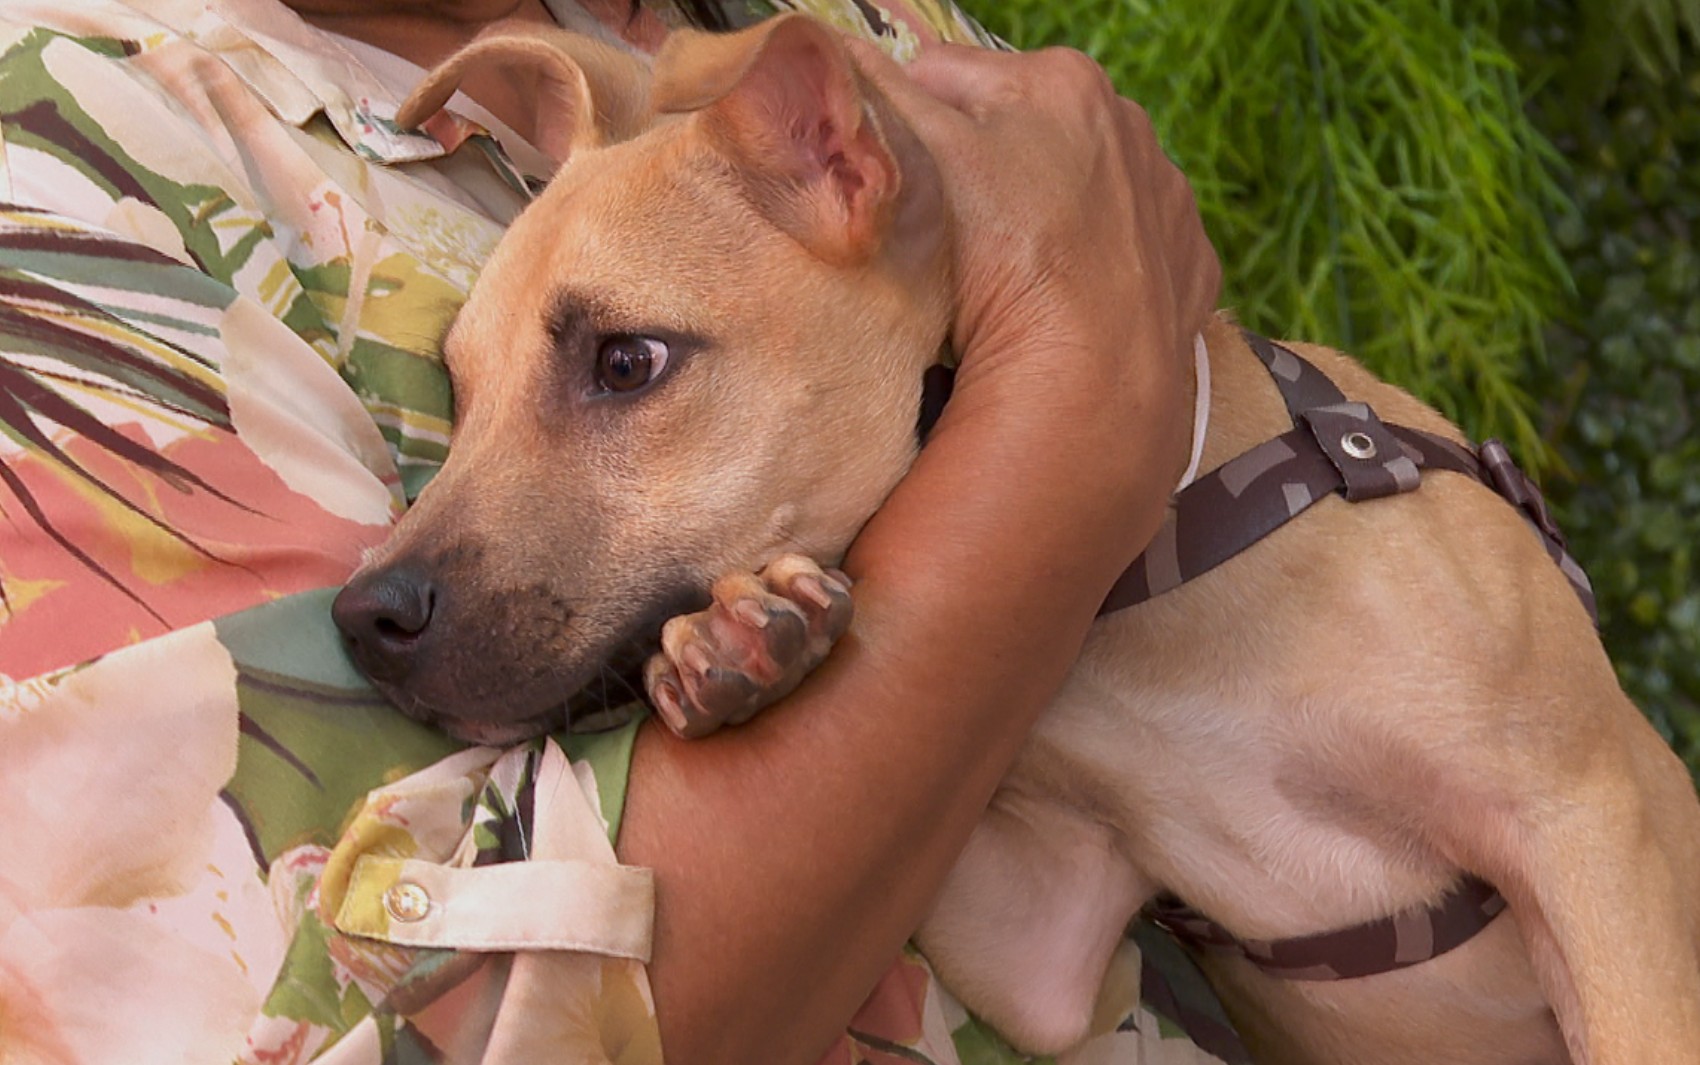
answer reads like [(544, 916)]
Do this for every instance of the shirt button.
[(407, 901)]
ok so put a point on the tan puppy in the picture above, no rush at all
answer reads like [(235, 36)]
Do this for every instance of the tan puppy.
[(1328, 729)]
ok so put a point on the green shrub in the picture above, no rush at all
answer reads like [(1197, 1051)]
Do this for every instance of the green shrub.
[(1591, 46), (1622, 386)]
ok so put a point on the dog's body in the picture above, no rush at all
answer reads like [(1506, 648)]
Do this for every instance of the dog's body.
[(1328, 729)]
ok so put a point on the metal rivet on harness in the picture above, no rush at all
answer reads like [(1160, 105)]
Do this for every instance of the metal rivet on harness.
[(1358, 445)]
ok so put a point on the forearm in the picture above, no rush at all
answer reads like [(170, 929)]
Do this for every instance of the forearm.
[(823, 829)]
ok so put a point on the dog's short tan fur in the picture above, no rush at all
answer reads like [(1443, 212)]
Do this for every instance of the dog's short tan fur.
[(1325, 730)]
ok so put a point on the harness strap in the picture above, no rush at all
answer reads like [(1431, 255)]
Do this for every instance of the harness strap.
[(1336, 446), (1301, 384), (1368, 949), (1493, 466)]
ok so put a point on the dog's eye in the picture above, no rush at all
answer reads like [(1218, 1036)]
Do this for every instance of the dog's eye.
[(627, 363)]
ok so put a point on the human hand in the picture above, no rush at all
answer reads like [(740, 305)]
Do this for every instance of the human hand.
[(1081, 261)]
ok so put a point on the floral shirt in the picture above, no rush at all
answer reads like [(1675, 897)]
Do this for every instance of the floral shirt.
[(224, 273)]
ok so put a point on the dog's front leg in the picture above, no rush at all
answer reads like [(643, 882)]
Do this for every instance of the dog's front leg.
[(1029, 918), (755, 643), (1596, 855)]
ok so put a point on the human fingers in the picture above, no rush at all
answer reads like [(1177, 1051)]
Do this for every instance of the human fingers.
[(963, 77), (930, 116), (977, 81)]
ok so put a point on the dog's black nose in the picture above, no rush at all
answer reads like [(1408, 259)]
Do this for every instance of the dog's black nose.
[(383, 615)]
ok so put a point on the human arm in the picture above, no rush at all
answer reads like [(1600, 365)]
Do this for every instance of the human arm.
[(796, 854)]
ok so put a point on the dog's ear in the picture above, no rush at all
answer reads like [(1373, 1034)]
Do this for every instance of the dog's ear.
[(784, 100), (590, 93)]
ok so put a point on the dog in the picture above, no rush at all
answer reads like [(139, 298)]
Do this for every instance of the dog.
[(1349, 723)]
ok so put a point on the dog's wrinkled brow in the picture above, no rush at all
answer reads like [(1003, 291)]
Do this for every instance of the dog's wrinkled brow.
[(570, 313)]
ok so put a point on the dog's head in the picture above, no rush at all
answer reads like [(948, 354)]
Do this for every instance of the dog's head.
[(701, 346)]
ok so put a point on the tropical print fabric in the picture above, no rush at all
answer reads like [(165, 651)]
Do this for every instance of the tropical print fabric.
[(224, 273)]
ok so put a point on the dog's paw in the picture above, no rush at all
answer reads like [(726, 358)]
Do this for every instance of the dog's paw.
[(759, 639)]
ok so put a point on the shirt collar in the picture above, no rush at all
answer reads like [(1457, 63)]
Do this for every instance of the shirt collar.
[(301, 71)]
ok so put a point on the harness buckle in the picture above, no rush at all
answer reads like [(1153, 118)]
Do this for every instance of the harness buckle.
[(1370, 458)]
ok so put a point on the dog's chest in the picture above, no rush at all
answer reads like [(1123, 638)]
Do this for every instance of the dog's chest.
[(1207, 761)]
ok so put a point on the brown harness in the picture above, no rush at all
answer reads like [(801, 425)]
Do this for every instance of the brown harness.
[(1336, 446)]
